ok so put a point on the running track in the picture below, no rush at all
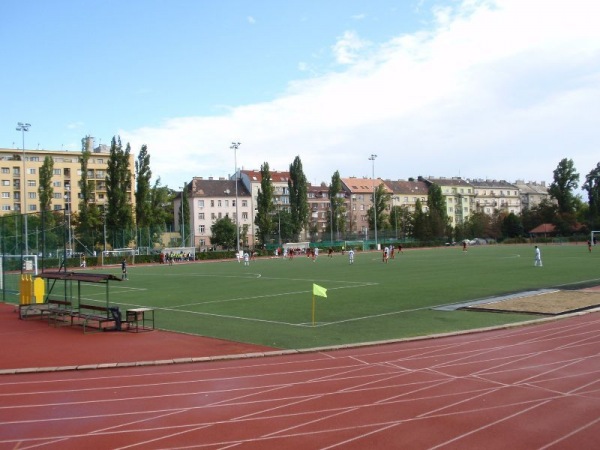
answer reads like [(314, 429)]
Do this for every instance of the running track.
[(518, 388)]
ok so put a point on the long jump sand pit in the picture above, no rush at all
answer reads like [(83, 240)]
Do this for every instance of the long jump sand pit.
[(547, 303)]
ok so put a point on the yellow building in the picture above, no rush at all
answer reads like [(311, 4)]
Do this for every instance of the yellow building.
[(20, 178)]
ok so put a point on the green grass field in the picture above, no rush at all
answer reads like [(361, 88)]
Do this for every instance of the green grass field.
[(270, 302)]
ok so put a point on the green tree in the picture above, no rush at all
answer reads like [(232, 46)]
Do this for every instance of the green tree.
[(264, 206), (437, 215), (565, 182), (298, 188), (337, 207), (88, 221), (119, 216), (419, 225), (45, 189), (512, 226), (592, 187), (184, 217), (223, 233), (143, 175), (382, 198)]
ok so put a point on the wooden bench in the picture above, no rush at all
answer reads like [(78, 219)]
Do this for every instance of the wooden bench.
[(90, 315)]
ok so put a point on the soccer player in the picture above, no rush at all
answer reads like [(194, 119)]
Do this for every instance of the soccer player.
[(351, 256), (538, 257), (124, 275), (246, 259)]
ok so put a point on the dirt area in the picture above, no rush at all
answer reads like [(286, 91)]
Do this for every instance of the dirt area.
[(556, 302)]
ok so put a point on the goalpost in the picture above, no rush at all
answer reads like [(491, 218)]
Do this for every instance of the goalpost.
[(114, 256), (593, 238), (17, 264), (357, 245)]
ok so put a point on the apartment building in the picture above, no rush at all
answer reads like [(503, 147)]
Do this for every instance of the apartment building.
[(19, 178), (210, 200), (251, 180), (406, 193), (459, 195), (532, 193), (360, 193), (495, 195)]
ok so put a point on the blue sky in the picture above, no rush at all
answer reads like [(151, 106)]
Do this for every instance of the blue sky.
[(500, 89)]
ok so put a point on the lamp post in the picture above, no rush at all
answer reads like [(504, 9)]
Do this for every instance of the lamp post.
[(234, 146), (23, 127), (182, 218), (372, 158)]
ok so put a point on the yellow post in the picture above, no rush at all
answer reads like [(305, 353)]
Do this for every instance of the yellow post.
[(313, 311), (25, 290), (39, 290)]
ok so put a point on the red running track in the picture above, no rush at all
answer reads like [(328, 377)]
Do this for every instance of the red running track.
[(531, 387)]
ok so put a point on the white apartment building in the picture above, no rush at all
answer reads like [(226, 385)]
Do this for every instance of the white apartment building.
[(210, 200)]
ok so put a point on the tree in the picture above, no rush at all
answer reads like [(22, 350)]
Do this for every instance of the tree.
[(143, 174), (437, 215), (382, 198), (264, 206), (119, 217), (45, 189), (184, 216), (565, 182), (419, 225), (223, 233), (592, 186), (337, 208), (512, 226), (298, 188), (88, 222)]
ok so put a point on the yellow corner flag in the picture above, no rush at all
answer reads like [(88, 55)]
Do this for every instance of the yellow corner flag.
[(319, 290)]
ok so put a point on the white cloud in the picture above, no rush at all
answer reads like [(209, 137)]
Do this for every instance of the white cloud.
[(348, 47), (498, 89), (251, 20)]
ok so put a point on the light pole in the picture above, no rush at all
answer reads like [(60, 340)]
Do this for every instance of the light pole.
[(23, 127), (234, 146), (182, 219), (331, 221), (372, 158)]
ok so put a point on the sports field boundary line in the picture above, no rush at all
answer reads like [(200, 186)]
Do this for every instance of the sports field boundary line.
[(204, 359)]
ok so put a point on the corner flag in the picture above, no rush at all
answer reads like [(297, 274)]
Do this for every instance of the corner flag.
[(319, 290)]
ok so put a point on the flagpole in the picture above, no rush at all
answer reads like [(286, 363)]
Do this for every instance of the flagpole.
[(313, 311)]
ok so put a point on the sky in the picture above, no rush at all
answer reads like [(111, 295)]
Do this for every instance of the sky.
[(478, 89)]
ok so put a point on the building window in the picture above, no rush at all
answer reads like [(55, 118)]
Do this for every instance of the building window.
[(200, 203), (219, 204), (212, 203), (244, 203), (6, 195), (32, 207), (5, 182), (32, 195), (202, 242), (57, 195), (31, 183), (245, 215), (212, 216), (16, 171), (57, 172), (201, 216), (220, 215), (5, 170), (56, 183), (31, 171), (227, 204), (5, 207), (202, 229)]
